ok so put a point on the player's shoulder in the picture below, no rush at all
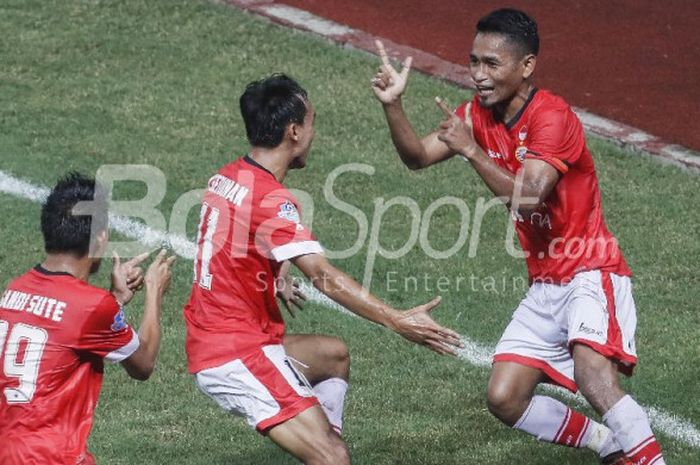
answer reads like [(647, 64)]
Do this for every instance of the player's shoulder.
[(547, 102), (550, 110)]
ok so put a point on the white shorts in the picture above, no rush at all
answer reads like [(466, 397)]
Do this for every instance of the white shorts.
[(596, 309), (261, 386)]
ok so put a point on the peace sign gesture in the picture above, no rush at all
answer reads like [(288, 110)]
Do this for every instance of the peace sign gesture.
[(388, 84)]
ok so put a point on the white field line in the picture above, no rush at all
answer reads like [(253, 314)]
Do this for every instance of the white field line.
[(473, 352)]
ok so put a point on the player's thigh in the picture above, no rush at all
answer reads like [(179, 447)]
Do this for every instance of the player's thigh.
[(261, 385), (535, 339), (309, 437), (602, 315), (321, 357)]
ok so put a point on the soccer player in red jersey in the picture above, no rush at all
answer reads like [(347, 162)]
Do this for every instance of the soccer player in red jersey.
[(56, 330), (289, 387), (576, 325)]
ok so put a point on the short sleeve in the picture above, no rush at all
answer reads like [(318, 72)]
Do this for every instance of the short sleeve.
[(280, 233), (557, 138), (106, 332)]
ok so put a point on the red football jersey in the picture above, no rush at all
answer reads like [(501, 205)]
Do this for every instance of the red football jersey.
[(568, 234), (55, 332), (249, 224)]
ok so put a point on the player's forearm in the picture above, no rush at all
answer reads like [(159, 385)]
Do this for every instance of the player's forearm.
[(143, 361), (512, 190), (498, 180), (407, 143), (344, 290)]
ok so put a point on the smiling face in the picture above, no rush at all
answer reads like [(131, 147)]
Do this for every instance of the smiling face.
[(500, 70)]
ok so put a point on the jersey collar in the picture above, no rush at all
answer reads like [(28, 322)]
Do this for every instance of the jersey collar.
[(40, 269), (519, 114), (254, 163)]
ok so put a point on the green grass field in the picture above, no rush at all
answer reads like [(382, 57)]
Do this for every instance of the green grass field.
[(85, 83)]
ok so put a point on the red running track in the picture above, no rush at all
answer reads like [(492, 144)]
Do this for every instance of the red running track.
[(634, 61)]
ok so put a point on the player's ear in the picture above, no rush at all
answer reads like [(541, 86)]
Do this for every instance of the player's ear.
[(293, 131), (101, 240), (529, 62)]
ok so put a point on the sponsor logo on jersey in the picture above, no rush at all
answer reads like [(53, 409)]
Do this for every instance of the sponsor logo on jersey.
[(119, 321), (289, 212), (586, 330), (494, 154)]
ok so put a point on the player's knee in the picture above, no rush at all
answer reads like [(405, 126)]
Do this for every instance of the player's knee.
[(504, 404), (340, 355)]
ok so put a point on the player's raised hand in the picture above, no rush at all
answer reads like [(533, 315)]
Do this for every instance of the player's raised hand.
[(388, 84), (159, 273), (457, 134), (127, 277), (417, 326)]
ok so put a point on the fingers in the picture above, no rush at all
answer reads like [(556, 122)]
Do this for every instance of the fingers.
[(138, 259), (160, 257), (431, 305), (136, 283), (406, 67), (171, 260), (440, 348), (443, 106), (116, 261), (382, 53), (288, 307)]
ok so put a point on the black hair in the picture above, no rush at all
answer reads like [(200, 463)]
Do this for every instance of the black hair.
[(67, 229), (268, 106), (517, 26)]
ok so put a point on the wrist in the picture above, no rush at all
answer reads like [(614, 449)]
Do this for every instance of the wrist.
[(470, 152), (391, 318), (121, 298), (393, 103)]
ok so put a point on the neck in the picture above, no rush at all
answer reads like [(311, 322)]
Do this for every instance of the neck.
[(68, 263), (509, 109), (274, 160)]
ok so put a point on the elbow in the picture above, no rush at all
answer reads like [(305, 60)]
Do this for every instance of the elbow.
[(415, 165), (142, 373), (525, 211)]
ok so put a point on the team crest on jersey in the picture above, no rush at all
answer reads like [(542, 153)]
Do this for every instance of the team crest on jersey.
[(520, 153), (289, 212), (522, 134), (119, 321)]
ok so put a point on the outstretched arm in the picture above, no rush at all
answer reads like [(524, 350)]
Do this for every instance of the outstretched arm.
[(388, 86), (415, 324)]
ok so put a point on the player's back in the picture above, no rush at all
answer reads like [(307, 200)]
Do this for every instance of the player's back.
[(55, 331), (248, 224)]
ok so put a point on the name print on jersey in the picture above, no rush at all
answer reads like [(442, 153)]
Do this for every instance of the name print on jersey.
[(228, 189), (38, 305)]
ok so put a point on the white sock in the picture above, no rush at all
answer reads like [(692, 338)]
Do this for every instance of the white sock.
[(331, 395), (550, 420), (632, 431)]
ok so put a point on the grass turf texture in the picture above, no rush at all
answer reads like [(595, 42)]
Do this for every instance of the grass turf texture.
[(87, 83)]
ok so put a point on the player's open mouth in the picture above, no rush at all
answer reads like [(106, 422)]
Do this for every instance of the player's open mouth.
[(484, 91)]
